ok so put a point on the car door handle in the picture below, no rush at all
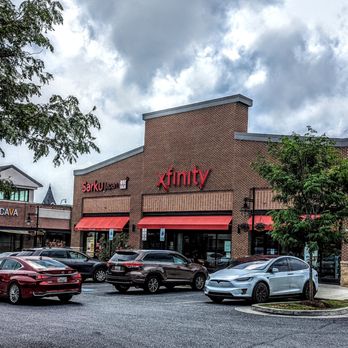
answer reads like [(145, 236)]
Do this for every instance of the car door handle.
[(290, 273)]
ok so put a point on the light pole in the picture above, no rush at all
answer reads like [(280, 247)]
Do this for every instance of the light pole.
[(247, 211), (37, 223)]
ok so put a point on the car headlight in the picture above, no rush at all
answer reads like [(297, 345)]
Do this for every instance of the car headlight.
[(244, 279), (208, 278)]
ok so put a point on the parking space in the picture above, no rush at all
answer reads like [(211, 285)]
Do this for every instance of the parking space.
[(102, 317)]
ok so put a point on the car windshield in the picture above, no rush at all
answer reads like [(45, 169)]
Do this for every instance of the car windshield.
[(251, 265), (124, 256), (45, 263)]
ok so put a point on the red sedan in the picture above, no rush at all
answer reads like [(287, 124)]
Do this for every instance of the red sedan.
[(36, 276)]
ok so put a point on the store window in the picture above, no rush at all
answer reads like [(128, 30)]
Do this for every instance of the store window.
[(18, 195)]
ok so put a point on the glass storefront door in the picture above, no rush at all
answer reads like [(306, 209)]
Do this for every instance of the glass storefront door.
[(213, 249)]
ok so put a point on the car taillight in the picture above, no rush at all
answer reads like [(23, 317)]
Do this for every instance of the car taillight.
[(132, 264), (77, 276), (41, 277)]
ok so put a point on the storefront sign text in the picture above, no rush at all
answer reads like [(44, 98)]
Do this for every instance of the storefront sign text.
[(186, 178), (104, 186), (8, 212)]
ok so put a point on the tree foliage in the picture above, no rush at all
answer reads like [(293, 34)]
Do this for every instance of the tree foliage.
[(310, 178), (57, 125)]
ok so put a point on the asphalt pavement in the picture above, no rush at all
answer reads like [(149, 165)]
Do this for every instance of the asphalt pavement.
[(101, 317)]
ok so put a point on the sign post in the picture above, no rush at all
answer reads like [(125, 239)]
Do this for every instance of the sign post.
[(111, 237), (162, 234)]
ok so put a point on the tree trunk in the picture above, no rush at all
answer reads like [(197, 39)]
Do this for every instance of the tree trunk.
[(311, 289)]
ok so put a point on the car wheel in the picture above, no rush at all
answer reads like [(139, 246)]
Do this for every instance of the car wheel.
[(65, 298), (260, 293), (122, 288), (152, 284), (305, 292), (99, 275), (198, 282), (14, 293), (216, 299)]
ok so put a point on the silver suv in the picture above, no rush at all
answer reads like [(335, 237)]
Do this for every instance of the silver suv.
[(259, 280), (149, 269)]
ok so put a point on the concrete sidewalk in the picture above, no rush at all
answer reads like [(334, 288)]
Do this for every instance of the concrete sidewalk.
[(332, 292)]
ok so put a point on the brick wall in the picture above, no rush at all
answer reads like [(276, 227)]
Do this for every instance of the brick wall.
[(202, 201), (130, 198)]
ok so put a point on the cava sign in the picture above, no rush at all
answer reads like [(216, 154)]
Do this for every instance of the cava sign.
[(8, 212)]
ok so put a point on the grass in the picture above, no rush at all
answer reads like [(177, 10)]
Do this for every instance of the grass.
[(307, 305)]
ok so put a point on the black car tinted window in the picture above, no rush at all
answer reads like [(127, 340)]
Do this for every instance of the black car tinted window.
[(59, 254), (179, 260), (124, 256), (297, 265), (158, 257), (76, 256), (9, 264), (282, 265)]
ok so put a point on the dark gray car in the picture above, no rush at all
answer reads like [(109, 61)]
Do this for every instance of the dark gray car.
[(87, 267), (149, 269)]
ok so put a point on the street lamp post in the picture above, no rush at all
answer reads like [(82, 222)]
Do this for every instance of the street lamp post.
[(246, 210), (37, 223)]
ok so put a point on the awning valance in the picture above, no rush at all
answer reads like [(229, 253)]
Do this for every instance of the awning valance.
[(261, 219), (186, 222), (102, 223)]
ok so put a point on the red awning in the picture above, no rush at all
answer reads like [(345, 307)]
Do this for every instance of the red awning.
[(186, 222), (262, 219), (102, 223), (268, 221)]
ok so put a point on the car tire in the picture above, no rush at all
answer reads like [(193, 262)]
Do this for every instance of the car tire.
[(305, 292), (260, 293), (152, 284), (216, 299), (65, 298), (14, 294), (198, 282), (99, 275), (122, 288)]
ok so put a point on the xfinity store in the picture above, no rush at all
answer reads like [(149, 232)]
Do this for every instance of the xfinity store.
[(190, 188)]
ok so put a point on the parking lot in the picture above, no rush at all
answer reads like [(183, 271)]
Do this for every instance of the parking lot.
[(101, 317)]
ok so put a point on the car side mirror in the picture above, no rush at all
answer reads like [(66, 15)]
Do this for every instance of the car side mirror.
[(275, 270)]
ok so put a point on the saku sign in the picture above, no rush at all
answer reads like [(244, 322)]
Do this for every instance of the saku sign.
[(171, 177), (8, 212), (97, 186)]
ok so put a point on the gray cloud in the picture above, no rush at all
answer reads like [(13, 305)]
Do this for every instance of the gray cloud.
[(157, 34)]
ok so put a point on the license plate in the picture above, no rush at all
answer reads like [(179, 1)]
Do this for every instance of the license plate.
[(62, 279), (117, 268)]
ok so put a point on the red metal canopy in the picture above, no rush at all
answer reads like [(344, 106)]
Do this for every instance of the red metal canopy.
[(186, 222), (262, 219), (102, 223)]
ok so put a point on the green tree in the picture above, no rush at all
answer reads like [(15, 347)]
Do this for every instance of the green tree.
[(310, 178), (57, 125)]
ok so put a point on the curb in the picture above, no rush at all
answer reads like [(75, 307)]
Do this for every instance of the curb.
[(307, 313)]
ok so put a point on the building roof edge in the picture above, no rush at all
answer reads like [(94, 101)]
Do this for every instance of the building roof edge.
[(237, 98), (264, 137), (109, 161)]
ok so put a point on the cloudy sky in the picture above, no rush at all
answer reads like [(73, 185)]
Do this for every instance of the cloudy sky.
[(128, 57)]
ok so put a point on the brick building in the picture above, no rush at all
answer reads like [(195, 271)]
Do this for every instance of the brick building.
[(184, 189), (24, 223)]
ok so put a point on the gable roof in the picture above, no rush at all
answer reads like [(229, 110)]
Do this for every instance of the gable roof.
[(11, 166)]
